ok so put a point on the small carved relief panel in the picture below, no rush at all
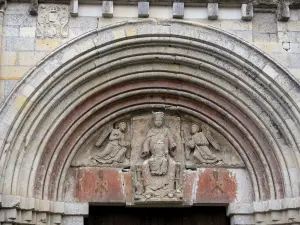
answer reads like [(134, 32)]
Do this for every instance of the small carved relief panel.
[(204, 147), (52, 21), (109, 147)]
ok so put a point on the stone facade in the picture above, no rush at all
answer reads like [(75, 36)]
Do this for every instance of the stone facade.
[(111, 109)]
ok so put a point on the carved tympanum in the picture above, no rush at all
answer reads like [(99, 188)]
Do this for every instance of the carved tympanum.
[(160, 141), (116, 149), (158, 176), (197, 147), (52, 21)]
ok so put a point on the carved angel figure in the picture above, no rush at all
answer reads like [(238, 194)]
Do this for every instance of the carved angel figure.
[(198, 144), (116, 149)]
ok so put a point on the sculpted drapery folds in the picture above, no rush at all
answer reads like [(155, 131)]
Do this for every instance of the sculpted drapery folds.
[(159, 170), (117, 148), (197, 145), (159, 144)]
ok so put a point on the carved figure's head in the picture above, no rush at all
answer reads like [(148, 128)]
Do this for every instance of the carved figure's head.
[(122, 126), (195, 128), (158, 119)]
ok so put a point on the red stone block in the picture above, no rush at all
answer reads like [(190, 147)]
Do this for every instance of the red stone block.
[(216, 186), (128, 187), (99, 185), (189, 182)]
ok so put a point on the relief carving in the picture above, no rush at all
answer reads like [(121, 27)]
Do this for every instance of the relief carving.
[(117, 148), (52, 21), (204, 147), (156, 148), (108, 148), (158, 177), (197, 147)]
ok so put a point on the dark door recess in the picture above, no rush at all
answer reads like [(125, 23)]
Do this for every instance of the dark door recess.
[(157, 216)]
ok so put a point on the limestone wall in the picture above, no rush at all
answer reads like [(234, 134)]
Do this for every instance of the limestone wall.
[(21, 49)]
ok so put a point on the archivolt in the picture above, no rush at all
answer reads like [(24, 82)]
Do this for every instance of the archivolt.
[(139, 65)]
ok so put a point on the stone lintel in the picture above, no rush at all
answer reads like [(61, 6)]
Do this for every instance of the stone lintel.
[(213, 11), (178, 10), (107, 9)]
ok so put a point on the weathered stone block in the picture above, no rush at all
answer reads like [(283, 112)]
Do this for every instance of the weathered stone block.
[(9, 58), (178, 10), (213, 11), (58, 207), (72, 220), (27, 31), (83, 22), (107, 9), (19, 44), (56, 219), (10, 201), (26, 216), (247, 11), (8, 86), (11, 31), (283, 11), (20, 20), (99, 185), (47, 44), (76, 209), (143, 9), (127, 177), (293, 26), (189, 183), (13, 72), (30, 58), (216, 186)]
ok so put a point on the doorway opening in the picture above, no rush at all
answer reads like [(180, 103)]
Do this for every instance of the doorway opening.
[(116, 215)]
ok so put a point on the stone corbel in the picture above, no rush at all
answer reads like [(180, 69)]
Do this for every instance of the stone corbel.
[(178, 10), (247, 11), (33, 8), (213, 11), (3, 5), (283, 11), (143, 9), (107, 9), (74, 8)]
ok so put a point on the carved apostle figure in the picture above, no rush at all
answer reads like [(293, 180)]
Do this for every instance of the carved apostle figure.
[(159, 168), (198, 144), (116, 149)]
